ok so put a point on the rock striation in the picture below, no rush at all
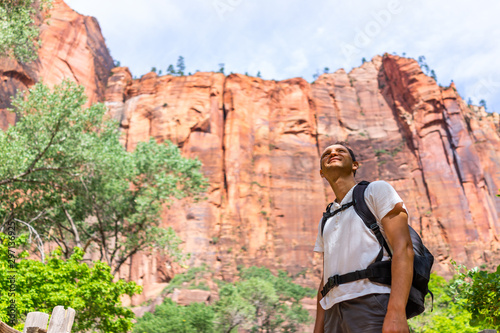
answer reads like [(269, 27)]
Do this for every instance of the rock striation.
[(260, 142)]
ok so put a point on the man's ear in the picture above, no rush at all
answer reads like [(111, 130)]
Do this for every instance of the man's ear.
[(321, 173), (355, 165)]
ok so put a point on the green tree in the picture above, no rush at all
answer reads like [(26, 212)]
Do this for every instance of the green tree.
[(180, 66), (169, 317), (423, 64), (71, 283), (221, 68), (18, 30), (262, 302), (171, 70), (480, 292), (448, 314), (232, 310), (433, 75), (482, 103), (64, 171), (259, 302)]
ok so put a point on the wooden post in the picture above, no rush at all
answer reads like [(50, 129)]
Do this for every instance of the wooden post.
[(61, 320), (35, 320), (4, 328)]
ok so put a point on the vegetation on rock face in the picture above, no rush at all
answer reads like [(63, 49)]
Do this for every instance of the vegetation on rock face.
[(71, 283), (18, 29), (64, 172), (259, 302), (170, 318)]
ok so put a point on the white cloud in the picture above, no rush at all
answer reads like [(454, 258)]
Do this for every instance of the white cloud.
[(289, 38)]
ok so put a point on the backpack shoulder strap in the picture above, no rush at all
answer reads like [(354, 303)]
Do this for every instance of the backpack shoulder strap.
[(327, 214), (367, 216), (325, 217)]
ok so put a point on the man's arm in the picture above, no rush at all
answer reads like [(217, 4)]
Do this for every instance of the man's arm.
[(319, 325), (396, 229)]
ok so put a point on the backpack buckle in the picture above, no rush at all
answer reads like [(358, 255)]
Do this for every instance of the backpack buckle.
[(374, 227), (333, 281), (347, 205)]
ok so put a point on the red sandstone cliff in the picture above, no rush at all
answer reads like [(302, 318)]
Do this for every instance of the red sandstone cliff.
[(259, 142), (72, 47)]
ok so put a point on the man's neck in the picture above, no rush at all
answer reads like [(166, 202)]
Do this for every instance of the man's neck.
[(341, 186)]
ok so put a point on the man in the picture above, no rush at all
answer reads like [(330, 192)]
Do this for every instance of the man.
[(348, 245)]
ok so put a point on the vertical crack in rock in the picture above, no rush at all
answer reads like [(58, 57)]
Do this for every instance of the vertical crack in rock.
[(70, 69), (452, 147)]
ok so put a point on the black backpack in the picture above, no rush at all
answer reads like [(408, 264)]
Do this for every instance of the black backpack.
[(380, 271)]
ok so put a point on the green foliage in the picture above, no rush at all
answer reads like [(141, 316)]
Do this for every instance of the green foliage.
[(258, 302), (423, 64), (221, 68), (18, 30), (482, 103), (180, 66), (71, 283), (470, 302), (283, 283), (190, 276), (274, 301), (480, 293), (232, 310), (433, 75), (380, 152), (448, 315), (171, 70), (171, 318), (64, 171)]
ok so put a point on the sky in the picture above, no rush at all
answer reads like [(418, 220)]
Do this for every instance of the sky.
[(282, 39)]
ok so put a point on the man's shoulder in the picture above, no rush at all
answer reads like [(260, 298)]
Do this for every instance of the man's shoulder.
[(380, 185)]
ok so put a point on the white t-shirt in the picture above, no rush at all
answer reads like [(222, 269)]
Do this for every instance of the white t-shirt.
[(349, 245)]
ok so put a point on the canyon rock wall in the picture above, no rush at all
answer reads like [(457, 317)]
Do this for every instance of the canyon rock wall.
[(72, 48), (260, 142)]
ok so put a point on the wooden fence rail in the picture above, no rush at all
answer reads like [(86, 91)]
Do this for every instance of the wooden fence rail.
[(36, 322)]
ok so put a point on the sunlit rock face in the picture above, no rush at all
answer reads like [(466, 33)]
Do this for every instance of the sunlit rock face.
[(259, 142), (72, 48)]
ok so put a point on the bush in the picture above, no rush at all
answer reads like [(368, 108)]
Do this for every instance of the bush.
[(89, 290), (171, 318)]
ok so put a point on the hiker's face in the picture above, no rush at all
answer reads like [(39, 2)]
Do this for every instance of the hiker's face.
[(337, 157)]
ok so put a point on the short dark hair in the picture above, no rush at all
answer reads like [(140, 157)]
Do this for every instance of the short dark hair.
[(346, 145)]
